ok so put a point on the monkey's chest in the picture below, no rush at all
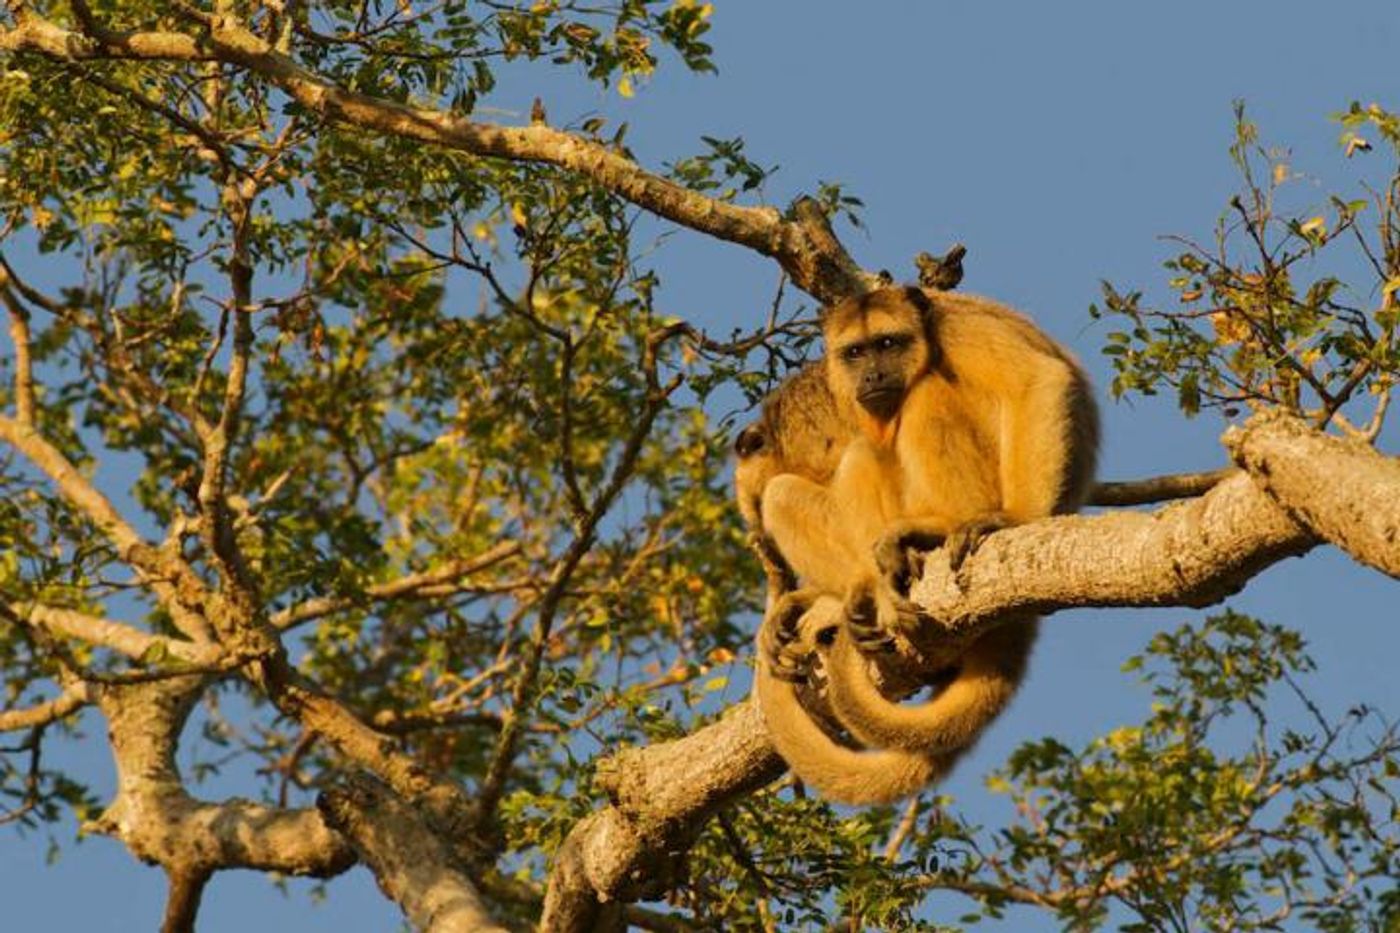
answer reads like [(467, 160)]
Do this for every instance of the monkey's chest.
[(951, 467)]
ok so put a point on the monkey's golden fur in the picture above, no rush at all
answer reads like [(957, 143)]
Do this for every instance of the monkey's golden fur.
[(953, 416)]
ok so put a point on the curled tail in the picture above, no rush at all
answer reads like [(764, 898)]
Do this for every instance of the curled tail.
[(838, 773), (988, 674)]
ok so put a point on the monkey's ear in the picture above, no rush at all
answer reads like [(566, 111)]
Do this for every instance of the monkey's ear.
[(750, 441)]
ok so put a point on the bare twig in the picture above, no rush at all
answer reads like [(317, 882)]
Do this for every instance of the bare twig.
[(1157, 488)]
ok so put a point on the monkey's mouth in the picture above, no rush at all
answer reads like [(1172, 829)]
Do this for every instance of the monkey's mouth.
[(883, 403)]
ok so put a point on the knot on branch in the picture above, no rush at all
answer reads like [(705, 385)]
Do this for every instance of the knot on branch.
[(943, 273)]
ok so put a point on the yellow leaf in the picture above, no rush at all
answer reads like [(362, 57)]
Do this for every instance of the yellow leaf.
[(517, 214), (1280, 172), (1315, 225), (624, 87), (481, 231)]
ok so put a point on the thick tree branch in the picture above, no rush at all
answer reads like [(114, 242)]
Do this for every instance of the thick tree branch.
[(1192, 553), (374, 751), (1342, 490), (413, 867), (803, 244), (104, 633), (74, 697), (160, 822), (662, 795)]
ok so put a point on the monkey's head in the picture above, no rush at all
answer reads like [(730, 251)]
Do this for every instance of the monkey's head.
[(877, 346)]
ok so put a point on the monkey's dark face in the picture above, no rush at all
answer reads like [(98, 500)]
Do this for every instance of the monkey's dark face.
[(878, 364)]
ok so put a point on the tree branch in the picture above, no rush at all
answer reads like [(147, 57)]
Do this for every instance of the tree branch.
[(1156, 488), (803, 244), (414, 868), (631, 849), (179, 589), (104, 633), (1193, 553), (19, 336), (404, 587), (160, 822), (1342, 490), (74, 697)]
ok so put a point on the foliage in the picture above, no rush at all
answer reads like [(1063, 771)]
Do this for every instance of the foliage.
[(1275, 311)]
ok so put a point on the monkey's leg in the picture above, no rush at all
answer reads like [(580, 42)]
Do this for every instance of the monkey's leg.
[(808, 526)]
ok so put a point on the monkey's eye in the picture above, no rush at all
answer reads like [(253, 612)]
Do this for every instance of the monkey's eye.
[(853, 352), (889, 342)]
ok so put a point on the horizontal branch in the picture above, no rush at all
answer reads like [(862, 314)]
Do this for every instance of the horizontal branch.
[(414, 868), (1192, 553), (74, 697), (1341, 489), (1156, 489), (409, 586), (116, 636), (803, 243)]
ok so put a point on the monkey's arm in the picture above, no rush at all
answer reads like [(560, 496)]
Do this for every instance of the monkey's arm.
[(988, 674), (1048, 440)]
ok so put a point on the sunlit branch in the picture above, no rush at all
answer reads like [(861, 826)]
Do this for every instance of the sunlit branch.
[(104, 633), (803, 243), (439, 581), (19, 336), (179, 590), (74, 697)]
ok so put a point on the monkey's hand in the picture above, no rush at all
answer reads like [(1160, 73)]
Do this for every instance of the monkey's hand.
[(783, 643), (899, 555), (966, 538)]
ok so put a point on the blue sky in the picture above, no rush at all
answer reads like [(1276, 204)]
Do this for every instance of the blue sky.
[(1060, 142)]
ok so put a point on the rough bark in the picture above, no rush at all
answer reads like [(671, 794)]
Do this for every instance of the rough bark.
[(662, 795), (153, 815), (1192, 553), (1342, 490), (413, 866)]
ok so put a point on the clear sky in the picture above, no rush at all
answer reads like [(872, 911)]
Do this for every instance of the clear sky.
[(1060, 142)]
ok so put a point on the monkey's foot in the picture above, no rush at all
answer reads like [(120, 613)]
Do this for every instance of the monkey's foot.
[(780, 638), (966, 538), (870, 634)]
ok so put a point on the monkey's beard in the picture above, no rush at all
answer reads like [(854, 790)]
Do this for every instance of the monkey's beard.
[(882, 404)]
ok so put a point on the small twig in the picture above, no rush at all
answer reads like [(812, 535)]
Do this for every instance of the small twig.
[(1157, 488), (402, 588)]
